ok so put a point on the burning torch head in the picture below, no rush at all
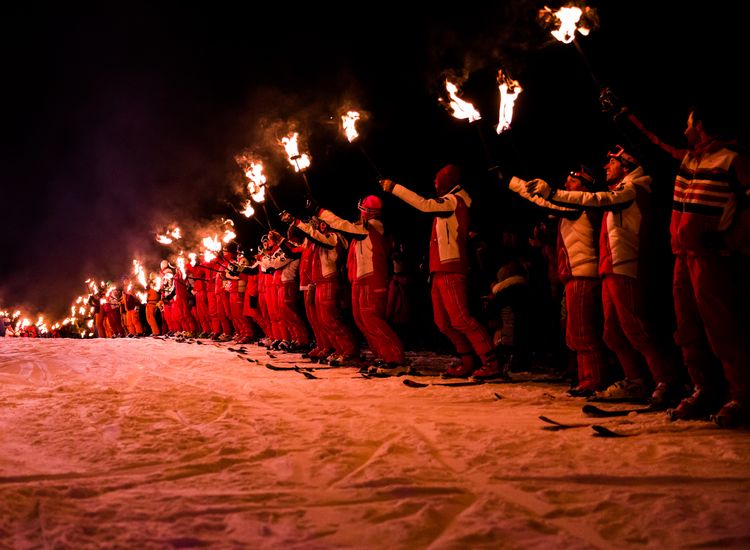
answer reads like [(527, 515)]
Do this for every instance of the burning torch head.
[(447, 178), (370, 207)]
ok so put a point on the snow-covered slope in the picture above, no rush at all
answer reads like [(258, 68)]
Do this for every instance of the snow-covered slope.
[(157, 444)]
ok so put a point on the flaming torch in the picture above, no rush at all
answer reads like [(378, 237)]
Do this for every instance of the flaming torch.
[(348, 124), (509, 91), (463, 110), (256, 186), (300, 161), (460, 109), (569, 20), (171, 235)]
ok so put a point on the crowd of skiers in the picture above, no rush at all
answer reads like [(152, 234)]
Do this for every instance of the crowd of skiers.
[(301, 291)]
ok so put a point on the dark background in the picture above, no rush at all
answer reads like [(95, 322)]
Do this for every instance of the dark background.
[(118, 123)]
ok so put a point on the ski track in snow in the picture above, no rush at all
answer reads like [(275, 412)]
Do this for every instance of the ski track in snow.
[(156, 444)]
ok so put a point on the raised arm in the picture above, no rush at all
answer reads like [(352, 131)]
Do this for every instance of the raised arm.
[(441, 206), (602, 200), (357, 231)]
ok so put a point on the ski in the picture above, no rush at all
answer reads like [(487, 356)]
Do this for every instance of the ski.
[(601, 431), (415, 384), (556, 426), (304, 372), (296, 367), (591, 410)]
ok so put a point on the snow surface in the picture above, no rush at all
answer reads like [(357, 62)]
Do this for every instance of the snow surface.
[(157, 444)]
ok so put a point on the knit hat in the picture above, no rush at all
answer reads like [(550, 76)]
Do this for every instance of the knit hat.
[(447, 178)]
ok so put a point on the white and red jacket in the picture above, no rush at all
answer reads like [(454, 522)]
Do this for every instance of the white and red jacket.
[(577, 253), (709, 184), (369, 249), (286, 266), (626, 205), (324, 262), (450, 228)]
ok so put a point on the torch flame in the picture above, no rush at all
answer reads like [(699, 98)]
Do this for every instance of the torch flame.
[(349, 121), (300, 162), (229, 235), (257, 181), (212, 243), (509, 91), (249, 211), (171, 235), (568, 18), (181, 265), (139, 273), (459, 108)]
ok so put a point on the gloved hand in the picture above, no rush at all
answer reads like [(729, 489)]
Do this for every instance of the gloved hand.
[(539, 188), (496, 173), (286, 217), (386, 185), (610, 103), (312, 206)]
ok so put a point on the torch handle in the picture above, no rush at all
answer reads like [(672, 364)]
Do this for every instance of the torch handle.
[(369, 161)]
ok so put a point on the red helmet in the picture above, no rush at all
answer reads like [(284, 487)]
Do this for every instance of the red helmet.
[(370, 207), (447, 178)]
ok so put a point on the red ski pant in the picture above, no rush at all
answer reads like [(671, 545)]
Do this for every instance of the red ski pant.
[(288, 292), (212, 314), (254, 313), (264, 313), (114, 320), (627, 334), (99, 320), (243, 326), (451, 313), (151, 318), (329, 318), (187, 322), (135, 322), (368, 308), (582, 331), (201, 311), (322, 342), (709, 325), (223, 312), (278, 327)]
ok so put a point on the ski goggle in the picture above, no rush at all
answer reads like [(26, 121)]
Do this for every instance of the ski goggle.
[(623, 156)]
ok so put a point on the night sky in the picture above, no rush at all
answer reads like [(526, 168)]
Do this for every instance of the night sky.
[(118, 123)]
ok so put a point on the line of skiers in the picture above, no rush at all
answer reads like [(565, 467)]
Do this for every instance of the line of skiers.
[(599, 253)]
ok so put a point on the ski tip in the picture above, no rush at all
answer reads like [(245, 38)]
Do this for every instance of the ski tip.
[(601, 431), (498, 396), (413, 384)]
